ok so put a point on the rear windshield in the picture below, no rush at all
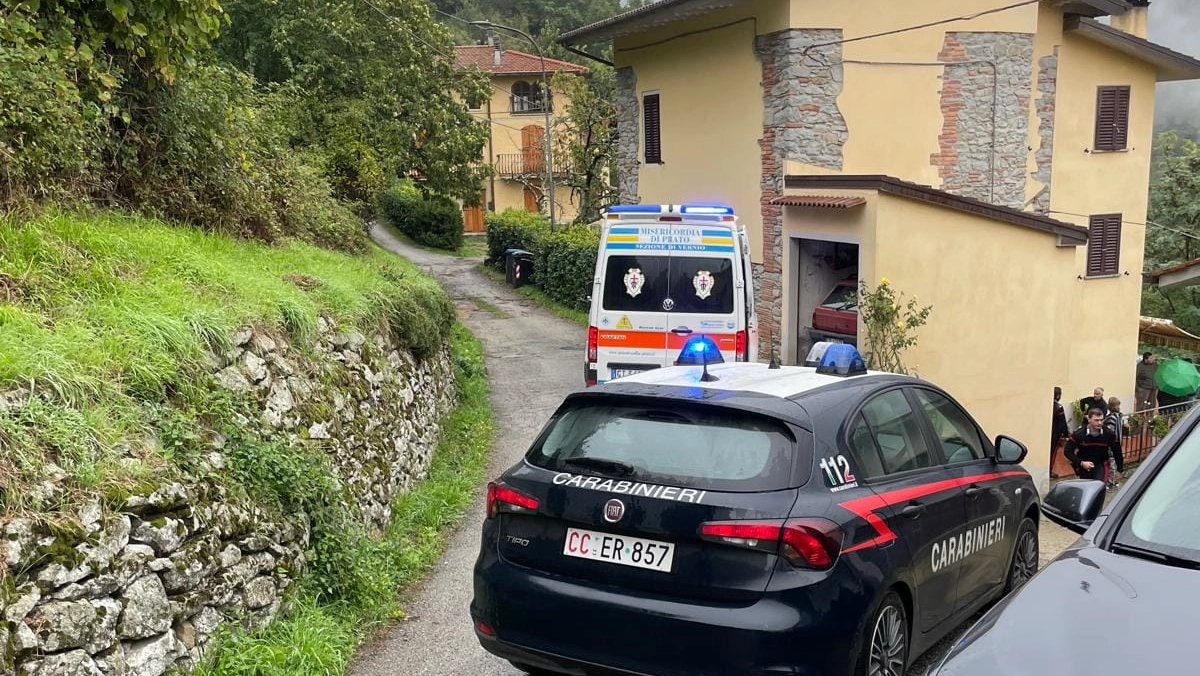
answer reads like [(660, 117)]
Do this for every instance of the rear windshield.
[(842, 298), (702, 448), (640, 283)]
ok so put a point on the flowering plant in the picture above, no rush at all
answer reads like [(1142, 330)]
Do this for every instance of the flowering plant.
[(889, 325)]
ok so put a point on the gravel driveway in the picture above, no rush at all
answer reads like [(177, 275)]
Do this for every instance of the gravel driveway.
[(533, 360)]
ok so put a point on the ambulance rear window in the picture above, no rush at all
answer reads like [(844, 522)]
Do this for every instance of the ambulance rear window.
[(641, 283)]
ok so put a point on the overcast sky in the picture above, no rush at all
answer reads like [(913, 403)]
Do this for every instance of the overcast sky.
[(1176, 24)]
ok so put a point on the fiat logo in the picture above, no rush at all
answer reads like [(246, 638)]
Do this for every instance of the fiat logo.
[(613, 510)]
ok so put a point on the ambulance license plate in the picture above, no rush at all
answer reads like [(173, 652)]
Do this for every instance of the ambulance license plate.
[(621, 373), (620, 549)]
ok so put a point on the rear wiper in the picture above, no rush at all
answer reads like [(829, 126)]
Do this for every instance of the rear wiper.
[(614, 467), (1161, 557)]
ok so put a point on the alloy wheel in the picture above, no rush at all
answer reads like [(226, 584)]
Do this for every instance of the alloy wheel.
[(887, 644)]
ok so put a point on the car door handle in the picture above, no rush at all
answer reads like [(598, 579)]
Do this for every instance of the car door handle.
[(913, 510), (681, 331), (973, 491)]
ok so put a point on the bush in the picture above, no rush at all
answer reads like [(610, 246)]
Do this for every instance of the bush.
[(513, 229), (565, 264), (433, 221)]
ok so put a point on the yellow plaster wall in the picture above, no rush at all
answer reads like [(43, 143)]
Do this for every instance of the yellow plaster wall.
[(996, 291), (1103, 325), (711, 108)]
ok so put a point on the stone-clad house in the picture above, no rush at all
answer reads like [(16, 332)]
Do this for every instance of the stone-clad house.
[(991, 157)]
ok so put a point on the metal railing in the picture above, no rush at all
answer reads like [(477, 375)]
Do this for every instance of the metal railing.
[(528, 104), (531, 163), (1143, 430)]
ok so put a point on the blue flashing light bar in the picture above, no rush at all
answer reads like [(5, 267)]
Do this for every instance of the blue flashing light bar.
[(718, 209), (636, 209)]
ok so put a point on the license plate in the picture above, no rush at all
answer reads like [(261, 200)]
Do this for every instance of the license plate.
[(621, 373), (619, 549)]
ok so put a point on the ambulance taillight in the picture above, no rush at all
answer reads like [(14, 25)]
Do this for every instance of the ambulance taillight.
[(593, 344), (740, 351)]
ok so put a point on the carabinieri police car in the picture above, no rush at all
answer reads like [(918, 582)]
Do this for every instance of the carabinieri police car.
[(745, 519)]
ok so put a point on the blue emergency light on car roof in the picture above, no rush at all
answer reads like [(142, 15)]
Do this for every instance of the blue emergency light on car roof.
[(700, 351), (693, 209), (842, 359)]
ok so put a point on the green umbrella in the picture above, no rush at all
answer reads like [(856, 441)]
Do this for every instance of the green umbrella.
[(1177, 377)]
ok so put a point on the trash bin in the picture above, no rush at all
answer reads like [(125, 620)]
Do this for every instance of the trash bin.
[(518, 266)]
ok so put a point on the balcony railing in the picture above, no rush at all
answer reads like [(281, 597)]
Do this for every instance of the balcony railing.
[(528, 105), (1143, 431), (531, 164)]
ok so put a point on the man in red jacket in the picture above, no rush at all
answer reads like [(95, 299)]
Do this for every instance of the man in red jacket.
[(1089, 447)]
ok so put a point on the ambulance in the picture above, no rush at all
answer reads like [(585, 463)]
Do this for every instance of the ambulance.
[(666, 273)]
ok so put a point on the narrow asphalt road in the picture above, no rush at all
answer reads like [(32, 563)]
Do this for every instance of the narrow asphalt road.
[(533, 361)]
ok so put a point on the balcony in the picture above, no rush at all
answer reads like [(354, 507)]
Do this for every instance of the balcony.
[(529, 165), (520, 164), (528, 105)]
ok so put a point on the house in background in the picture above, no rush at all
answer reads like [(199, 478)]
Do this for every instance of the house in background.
[(993, 162), (516, 132)]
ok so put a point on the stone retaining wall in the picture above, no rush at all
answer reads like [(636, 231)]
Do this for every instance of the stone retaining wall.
[(145, 587)]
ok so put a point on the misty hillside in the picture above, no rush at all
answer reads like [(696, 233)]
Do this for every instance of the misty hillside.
[(1176, 24)]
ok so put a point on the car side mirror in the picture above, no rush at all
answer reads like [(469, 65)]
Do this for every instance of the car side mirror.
[(1009, 451), (1074, 504)]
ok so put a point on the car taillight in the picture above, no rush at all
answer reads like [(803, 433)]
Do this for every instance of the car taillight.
[(740, 347), (501, 498), (593, 343), (805, 543)]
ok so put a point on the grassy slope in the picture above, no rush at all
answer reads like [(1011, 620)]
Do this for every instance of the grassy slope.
[(105, 314)]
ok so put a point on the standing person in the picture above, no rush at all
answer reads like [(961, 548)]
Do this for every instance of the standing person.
[(1059, 429), (1145, 388), (1114, 422), (1097, 400), (1089, 447)]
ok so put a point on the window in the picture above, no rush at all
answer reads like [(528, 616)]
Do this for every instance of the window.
[(1104, 245), (526, 97), (1112, 118), (476, 102), (1166, 518), (896, 431), (863, 450), (958, 434), (697, 447), (656, 277), (652, 129)]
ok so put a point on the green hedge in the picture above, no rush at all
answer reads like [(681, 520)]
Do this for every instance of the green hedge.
[(513, 229), (565, 264), (432, 220)]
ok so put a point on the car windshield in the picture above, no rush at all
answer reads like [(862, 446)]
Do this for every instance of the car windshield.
[(842, 298), (693, 447), (1166, 518)]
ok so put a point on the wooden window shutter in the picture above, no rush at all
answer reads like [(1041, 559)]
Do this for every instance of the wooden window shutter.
[(1112, 118), (1104, 245), (653, 130)]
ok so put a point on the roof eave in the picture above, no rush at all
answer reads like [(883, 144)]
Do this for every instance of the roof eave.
[(1170, 65), (641, 18), (1067, 234)]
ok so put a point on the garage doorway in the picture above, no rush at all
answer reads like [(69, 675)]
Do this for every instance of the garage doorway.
[(824, 293)]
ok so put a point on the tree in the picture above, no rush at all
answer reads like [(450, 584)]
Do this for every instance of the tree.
[(585, 139), (377, 90), (1173, 234)]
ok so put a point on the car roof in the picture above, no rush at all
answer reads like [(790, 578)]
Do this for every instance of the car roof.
[(786, 382)]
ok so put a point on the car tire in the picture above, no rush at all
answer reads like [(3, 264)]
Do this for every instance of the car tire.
[(884, 642), (1025, 557), (532, 671)]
